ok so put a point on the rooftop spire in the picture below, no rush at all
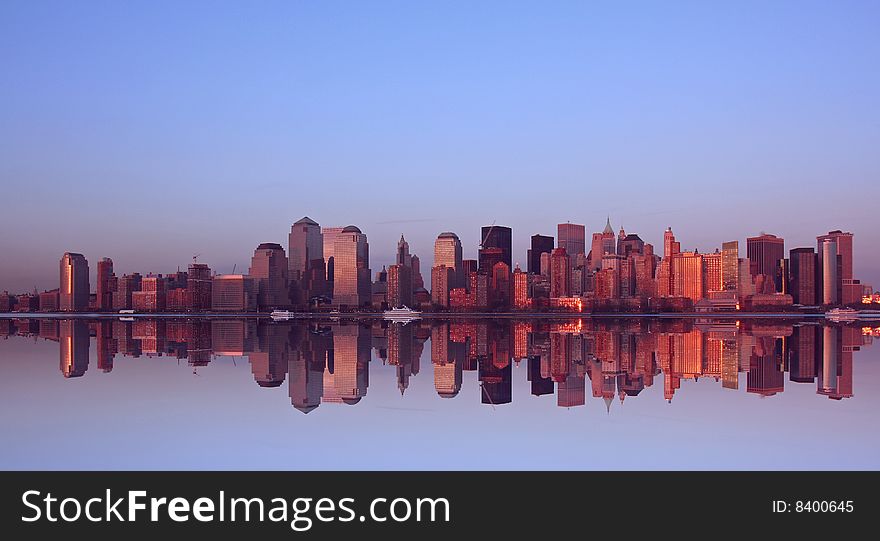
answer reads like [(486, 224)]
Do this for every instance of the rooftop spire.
[(608, 228)]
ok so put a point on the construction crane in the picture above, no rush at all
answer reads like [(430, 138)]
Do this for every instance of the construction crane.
[(488, 233)]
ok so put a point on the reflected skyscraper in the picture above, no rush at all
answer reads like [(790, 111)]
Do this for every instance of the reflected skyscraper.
[(74, 286), (74, 347)]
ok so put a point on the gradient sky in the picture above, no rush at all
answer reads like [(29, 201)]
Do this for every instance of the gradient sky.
[(152, 131)]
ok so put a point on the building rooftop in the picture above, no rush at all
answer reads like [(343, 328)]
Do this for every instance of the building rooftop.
[(447, 235), (269, 246), (305, 220), (351, 229)]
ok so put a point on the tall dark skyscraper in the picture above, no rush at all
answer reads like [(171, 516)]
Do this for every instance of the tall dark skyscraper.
[(764, 252), (106, 284), (541, 244), (572, 237), (305, 252), (498, 236), (269, 269), (74, 283), (199, 283), (803, 267)]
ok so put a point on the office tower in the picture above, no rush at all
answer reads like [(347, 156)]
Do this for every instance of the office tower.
[(730, 265), (764, 253), (151, 297), (442, 279), (829, 265), (489, 257), (848, 290), (545, 264), (628, 245), (198, 287), (233, 293), (346, 376), (417, 281), (671, 247), (399, 286), (447, 252), (305, 253), (803, 264), (468, 266), (270, 361), (329, 235), (500, 286), (831, 352), (73, 345), (572, 237), (560, 273), (351, 268), (712, 274), (126, 285), (74, 278), (643, 273), (687, 275), (521, 299), (602, 243), (306, 371), (498, 236), (106, 284), (403, 256), (269, 269), (540, 244)]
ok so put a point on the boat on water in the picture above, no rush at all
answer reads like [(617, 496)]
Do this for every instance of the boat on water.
[(402, 314), (279, 315), (850, 314)]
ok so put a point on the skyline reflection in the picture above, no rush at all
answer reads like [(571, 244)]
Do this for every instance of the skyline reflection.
[(324, 362)]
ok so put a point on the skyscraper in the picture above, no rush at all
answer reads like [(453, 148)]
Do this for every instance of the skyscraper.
[(74, 287), (269, 269), (329, 235), (848, 290), (560, 273), (572, 237), (602, 243), (106, 284), (687, 275), (498, 236), (803, 264), (541, 244), (829, 267), (399, 286), (198, 287), (764, 253), (441, 284), (447, 252), (351, 269), (730, 265), (305, 252)]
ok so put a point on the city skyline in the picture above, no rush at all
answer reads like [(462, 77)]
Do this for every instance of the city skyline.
[(404, 118)]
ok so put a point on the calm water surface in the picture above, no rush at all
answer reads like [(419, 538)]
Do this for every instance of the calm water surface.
[(470, 394)]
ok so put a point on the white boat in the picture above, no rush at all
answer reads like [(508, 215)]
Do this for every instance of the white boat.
[(402, 314), (279, 315), (842, 314), (126, 311)]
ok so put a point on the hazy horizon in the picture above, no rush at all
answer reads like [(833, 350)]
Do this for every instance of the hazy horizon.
[(151, 132)]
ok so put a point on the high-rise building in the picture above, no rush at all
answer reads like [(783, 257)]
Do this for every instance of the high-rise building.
[(126, 285), (198, 287), (73, 336), (329, 235), (498, 236), (351, 269), (628, 245), (447, 252), (830, 268), (441, 285), (560, 273), (572, 237), (74, 277), (233, 293), (671, 247), (305, 253), (602, 243), (848, 289), (106, 284), (399, 286), (712, 272), (269, 269), (489, 257), (764, 253), (541, 244), (521, 299), (468, 266), (803, 264), (730, 265), (687, 275)]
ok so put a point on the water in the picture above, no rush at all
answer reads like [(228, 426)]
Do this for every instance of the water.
[(469, 394)]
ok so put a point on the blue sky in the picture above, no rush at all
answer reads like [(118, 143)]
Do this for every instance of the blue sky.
[(152, 131)]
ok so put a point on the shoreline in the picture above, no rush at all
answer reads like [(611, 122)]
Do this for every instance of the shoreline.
[(424, 315)]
